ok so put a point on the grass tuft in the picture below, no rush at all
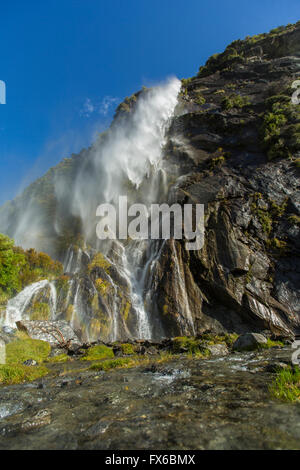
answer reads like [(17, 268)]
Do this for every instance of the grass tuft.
[(21, 350), (13, 374), (286, 386)]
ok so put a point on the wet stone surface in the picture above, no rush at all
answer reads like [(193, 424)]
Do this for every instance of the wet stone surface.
[(184, 403)]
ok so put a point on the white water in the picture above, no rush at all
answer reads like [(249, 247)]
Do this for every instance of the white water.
[(16, 307), (138, 152), (130, 157)]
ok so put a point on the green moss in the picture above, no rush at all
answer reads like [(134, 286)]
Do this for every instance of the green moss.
[(272, 344), (186, 81), (57, 359), (62, 284), (297, 162), (102, 286), (4, 296), (221, 61), (41, 311), (99, 261), (265, 220), (277, 245), (125, 308), (286, 386), (13, 374), (294, 219), (127, 349), (217, 162), (199, 99), (98, 352), (190, 346), (122, 362), (230, 338), (277, 210), (21, 350)]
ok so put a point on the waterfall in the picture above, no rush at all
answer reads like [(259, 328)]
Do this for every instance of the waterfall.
[(127, 161), (16, 307), (134, 153), (68, 260)]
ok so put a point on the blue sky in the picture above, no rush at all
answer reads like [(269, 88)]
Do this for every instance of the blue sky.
[(67, 64)]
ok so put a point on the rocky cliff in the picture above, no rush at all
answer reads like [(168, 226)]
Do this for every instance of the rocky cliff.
[(233, 144)]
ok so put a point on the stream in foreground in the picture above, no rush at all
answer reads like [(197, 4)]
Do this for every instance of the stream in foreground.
[(183, 403)]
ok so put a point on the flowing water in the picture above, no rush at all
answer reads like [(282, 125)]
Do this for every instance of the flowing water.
[(16, 307), (129, 162)]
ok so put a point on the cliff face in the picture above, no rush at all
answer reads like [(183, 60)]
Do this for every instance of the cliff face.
[(233, 145), (238, 150)]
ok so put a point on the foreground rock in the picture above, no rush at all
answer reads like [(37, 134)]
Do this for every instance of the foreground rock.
[(249, 341), (57, 333)]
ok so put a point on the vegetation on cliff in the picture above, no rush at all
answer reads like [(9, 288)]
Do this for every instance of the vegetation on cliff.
[(19, 268)]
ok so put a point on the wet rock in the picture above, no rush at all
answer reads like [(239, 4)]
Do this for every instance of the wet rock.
[(8, 330), (217, 349), (276, 366), (30, 362), (40, 419), (9, 409), (248, 342)]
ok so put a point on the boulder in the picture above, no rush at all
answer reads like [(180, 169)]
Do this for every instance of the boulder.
[(217, 349), (249, 342), (57, 333)]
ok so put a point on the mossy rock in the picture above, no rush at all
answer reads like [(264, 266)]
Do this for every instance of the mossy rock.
[(98, 352), (184, 344), (127, 349)]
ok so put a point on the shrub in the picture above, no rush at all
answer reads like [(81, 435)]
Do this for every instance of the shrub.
[(280, 130), (234, 101), (11, 263)]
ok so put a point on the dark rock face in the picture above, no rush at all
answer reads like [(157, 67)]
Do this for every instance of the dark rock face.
[(247, 275)]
